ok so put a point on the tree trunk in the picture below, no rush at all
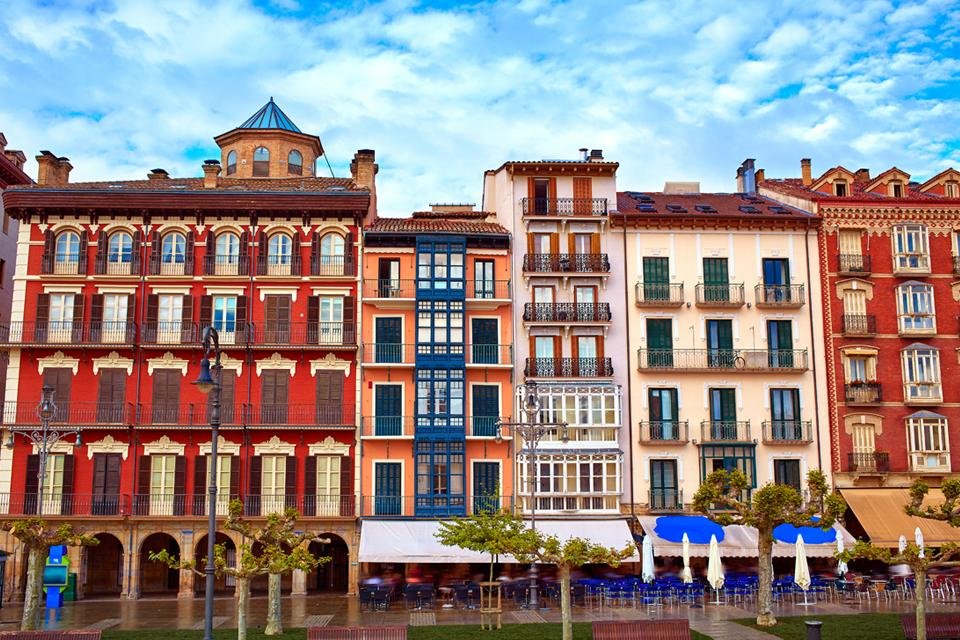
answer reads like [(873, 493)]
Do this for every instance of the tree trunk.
[(920, 595), (243, 606), (765, 617), (566, 616), (33, 600), (274, 626), (491, 568)]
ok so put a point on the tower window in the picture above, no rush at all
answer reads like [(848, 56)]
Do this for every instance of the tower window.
[(231, 163), (261, 162), (840, 188), (295, 163)]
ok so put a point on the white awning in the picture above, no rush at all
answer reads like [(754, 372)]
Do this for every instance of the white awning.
[(414, 540)]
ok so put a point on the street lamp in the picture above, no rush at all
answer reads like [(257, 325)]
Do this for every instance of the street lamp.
[(209, 380), (45, 438), (531, 430)]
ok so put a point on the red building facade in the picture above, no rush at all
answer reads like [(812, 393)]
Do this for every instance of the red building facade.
[(116, 281)]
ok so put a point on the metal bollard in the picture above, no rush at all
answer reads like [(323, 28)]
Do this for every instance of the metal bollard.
[(813, 629)]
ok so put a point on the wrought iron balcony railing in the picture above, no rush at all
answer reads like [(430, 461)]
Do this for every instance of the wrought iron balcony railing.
[(74, 413), (169, 333), (306, 415), (655, 294), (226, 265), (719, 295), (488, 289), (566, 263), (392, 353), (666, 500), (299, 334), (587, 312), (489, 354), (68, 333), (664, 431), (568, 368), (387, 426), (780, 295), (725, 431), (858, 324), (288, 265), (745, 360), (870, 462), (787, 432), (853, 264), (862, 392), (564, 206), (64, 264), (332, 265), (56, 503)]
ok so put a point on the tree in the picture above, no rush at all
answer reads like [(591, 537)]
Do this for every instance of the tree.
[(721, 498), (948, 512), (272, 550), (37, 536), (506, 533)]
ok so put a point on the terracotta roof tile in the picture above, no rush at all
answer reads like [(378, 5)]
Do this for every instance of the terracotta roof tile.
[(196, 184), (721, 205), (435, 222), (794, 187)]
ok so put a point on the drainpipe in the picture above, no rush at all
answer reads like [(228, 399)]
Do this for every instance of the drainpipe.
[(813, 348), (134, 441), (626, 406)]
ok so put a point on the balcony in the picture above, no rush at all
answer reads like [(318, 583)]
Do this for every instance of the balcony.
[(225, 266), (64, 264), (115, 268), (332, 265), (873, 462), (431, 505), (779, 296), (929, 461), (566, 207), (390, 354), (68, 333), (652, 294), (171, 267), (742, 360), (568, 368), (302, 415), (860, 392), (71, 413), (566, 264), (483, 426), (787, 432), (389, 292), (664, 432), (386, 426), (566, 313), (480, 290), (65, 504), (297, 335), (916, 324), (719, 295), (278, 266), (725, 431), (167, 414), (922, 393), (858, 325), (664, 500), (490, 355), (853, 264), (320, 506)]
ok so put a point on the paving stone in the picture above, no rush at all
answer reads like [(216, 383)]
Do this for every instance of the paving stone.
[(317, 621), (527, 617), (103, 624), (423, 619), (217, 621)]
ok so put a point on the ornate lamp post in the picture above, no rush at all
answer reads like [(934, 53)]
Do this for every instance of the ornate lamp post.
[(44, 438), (209, 380), (532, 430)]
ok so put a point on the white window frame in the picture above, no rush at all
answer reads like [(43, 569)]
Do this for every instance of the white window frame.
[(279, 254), (66, 254), (273, 483), (561, 490), (916, 311), (223, 301), (224, 465), (173, 253), (60, 317), (328, 484), (928, 444), (911, 248), (169, 317), (53, 483), (921, 375), (162, 494)]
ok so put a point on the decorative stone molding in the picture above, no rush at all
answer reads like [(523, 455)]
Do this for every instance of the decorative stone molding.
[(274, 446), (226, 291), (113, 361), (231, 363), (332, 291), (113, 226), (163, 446), (107, 445), (167, 227), (276, 362), (76, 289), (58, 361), (853, 284), (60, 448), (167, 361), (327, 363), (224, 447), (279, 291), (849, 421), (329, 447), (112, 288), (170, 290)]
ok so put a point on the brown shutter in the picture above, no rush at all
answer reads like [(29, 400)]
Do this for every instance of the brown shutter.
[(77, 332), (166, 396), (530, 244), (84, 243), (199, 484), (571, 243), (594, 243), (261, 253), (179, 485), (290, 489), (156, 252), (188, 255), (210, 257), (187, 333), (554, 243), (96, 317), (234, 477), (206, 311), (32, 484), (228, 386), (349, 322), (100, 262), (552, 193), (66, 500), (49, 252), (346, 486), (255, 485), (136, 247), (131, 317), (110, 395), (153, 309), (242, 318), (244, 253), (295, 258), (330, 409), (349, 264), (43, 317), (60, 379), (310, 485), (143, 486), (531, 195), (313, 319)]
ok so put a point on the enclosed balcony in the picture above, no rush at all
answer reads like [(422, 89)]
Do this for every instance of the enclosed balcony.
[(566, 313), (653, 294), (872, 462), (568, 368), (853, 264), (742, 360), (725, 431), (567, 263), (779, 296), (787, 432), (858, 324), (567, 207), (719, 295), (664, 432), (860, 392)]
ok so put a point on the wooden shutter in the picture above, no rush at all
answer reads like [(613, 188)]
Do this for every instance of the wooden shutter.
[(255, 485), (106, 483), (349, 322), (131, 327), (234, 477), (531, 195), (262, 250), (348, 262), (228, 385), (179, 485), (187, 334), (310, 485), (554, 243), (315, 253), (199, 484), (152, 312), (77, 330), (66, 500), (206, 311), (313, 319), (330, 407), (43, 317), (136, 247), (166, 395), (111, 395), (346, 486), (273, 397), (49, 251), (33, 482), (100, 262), (188, 255), (241, 318), (295, 257), (60, 379), (552, 195), (84, 243), (96, 317), (143, 485), (244, 253), (156, 251), (210, 257), (290, 482)]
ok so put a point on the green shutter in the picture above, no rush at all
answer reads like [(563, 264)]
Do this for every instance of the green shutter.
[(660, 342), (656, 278), (716, 280)]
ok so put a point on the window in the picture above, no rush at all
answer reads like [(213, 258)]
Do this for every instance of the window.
[(663, 406), (279, 254), (386, 486), (592, 413), (543, 295), (223, 482), (929, 442), (295, 163), (587, 347), (173, 253), (543, 346), (440, 265), (840, 188), (261, 162), (231, 163), (67, 256), (3, 272), (440, 398), (541, 195), (910, 248), (921, 374), (388, 278), (440, 469), (951, 190), (484, 285), (720, 343), (861, 368), (225, 317), (440, 327), (729, 457), (114, 327), (162, 481), (331, 320), (785, 421), (227, 254), (119, 252), (896, 189), (53, 484), (787, 472), (664, 492), (169, 317), (915, 308), (723, 415), (273, 484), (328, 485), (331, 254), (574, 482), (60, 321)]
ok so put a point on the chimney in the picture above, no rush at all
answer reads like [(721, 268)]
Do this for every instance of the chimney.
[(64, 167), (3, 141), (596, 155), (53, 171), (363, 170), (584, 155), (805, 172), (16, 157), (158, 174), (745, 177), (862, 175), (759, 177), (211, 173)]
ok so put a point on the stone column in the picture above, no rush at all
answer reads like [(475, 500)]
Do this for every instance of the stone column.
[(298, 586), (353, 568), (133, 588)]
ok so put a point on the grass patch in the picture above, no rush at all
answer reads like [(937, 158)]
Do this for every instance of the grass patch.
[(581, 631), (858, 626)]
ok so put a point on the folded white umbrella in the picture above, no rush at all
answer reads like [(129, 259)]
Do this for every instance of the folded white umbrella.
[(714, 568), (801, 570), (841, 565), (646, 571), (918, 538), (902, 544), (686, 575)]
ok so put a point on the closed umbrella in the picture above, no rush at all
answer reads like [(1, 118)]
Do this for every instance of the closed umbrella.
[(902, 544), (841, 565), (714, 568), (801, 570), (918, 538), (686, 575), (646, 571)]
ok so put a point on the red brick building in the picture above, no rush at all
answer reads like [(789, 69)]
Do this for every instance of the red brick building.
[(115, 281), (890, 286)]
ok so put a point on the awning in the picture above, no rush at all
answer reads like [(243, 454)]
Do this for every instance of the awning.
[(414, 540), (736, 541), (880, 512)]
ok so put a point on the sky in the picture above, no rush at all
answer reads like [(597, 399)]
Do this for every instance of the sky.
[(670, 89)]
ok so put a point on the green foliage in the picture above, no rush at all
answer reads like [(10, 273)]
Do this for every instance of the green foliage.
[(863, 626), (910, 556), (948, 512), (36, 534), (494, 533)]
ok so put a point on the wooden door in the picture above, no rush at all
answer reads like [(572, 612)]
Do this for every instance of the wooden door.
[(111, 396), (61, 380), (166, 395), (106, 484), (276, 319), (273, 396)]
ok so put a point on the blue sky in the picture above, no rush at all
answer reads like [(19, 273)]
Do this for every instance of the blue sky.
[(673, 89)]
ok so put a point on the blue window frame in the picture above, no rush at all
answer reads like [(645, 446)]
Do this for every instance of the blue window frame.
[(440, 328), (486, 487), (440, 265), (440, 398), (387, 499), (440, 478)]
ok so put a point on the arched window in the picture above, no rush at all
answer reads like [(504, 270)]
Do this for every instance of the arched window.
[(331, 250), (68, 247), (173, 248), (120, 248), (261, 162), (228, 248), (279, 249), (295, 163), (231, 163)]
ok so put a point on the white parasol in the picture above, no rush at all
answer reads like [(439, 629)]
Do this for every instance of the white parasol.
[(646, 571), (686, 575), (918, 537), (801, 570), (841, 565), (714, 568)]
